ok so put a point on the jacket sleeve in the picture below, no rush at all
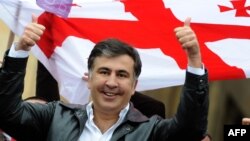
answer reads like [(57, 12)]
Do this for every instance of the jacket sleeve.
[(190, 121), (19, 119), (12, 75)]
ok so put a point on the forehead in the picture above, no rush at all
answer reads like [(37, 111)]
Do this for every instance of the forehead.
[(122, 62)]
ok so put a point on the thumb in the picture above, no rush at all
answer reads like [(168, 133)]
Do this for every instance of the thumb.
[(187, 21), (34, 18)]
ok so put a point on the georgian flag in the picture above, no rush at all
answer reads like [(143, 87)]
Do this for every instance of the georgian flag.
[(222, 28)]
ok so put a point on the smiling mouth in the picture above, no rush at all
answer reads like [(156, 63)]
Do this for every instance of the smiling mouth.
[(109, 94)]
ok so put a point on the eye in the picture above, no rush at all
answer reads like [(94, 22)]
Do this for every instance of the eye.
[(122, 75), (104, 72)]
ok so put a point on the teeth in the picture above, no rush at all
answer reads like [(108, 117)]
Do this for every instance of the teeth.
[(110, 94)]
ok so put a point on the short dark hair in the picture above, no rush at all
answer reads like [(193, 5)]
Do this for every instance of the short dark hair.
[(112, 48)]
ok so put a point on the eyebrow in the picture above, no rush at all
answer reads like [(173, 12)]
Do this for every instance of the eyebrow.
[(119, 71), (103, 68)]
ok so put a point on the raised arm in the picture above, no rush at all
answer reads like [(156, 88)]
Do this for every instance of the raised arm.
[(190, 121), (13, 112), (193, 108)]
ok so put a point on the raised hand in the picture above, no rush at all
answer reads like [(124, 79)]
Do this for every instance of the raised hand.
[(189, 42), (31, 35)]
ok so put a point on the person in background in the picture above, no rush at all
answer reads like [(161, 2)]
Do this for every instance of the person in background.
[(114, 68), (46, 85), (148, 105)]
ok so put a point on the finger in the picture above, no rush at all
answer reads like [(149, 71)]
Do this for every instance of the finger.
[(35, 36), (25, 43), (28, 42), (33, 31), (246, 121), (177, 29), (187, 21), (86, 74), (38, 29), (186, 38), (189, 44), (35, 23), (34, 18), (183, 32), (85, 77)]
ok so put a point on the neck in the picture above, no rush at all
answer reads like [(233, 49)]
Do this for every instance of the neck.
[(105, 120)]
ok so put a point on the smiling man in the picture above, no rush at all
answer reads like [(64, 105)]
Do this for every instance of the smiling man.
[(114, 68)]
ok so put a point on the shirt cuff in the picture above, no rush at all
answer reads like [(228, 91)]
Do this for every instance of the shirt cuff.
[(197, 71), (17, 53)]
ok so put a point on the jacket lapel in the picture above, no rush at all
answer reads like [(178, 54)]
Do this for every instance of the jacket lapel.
[(132, 119)]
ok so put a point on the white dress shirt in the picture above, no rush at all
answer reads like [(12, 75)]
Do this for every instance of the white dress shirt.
[(92, 133), (17, 54)]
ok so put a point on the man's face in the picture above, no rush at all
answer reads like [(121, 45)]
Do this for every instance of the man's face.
[(112, 83)]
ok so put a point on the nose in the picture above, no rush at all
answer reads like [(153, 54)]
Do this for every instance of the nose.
[(112, 82)]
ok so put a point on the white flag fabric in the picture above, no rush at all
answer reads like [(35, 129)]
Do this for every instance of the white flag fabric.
[(222, 28)]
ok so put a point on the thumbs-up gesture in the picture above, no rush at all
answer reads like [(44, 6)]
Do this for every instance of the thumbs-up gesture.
[(189, 42), (32, 33)]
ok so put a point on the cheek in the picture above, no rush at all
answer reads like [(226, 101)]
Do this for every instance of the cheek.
[(131, 87), (95, 83)]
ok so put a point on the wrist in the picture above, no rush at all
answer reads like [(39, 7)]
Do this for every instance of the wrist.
[(196, 63), (21, 46), (17, 52)]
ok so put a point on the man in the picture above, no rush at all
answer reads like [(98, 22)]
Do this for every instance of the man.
[(114, 68)]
